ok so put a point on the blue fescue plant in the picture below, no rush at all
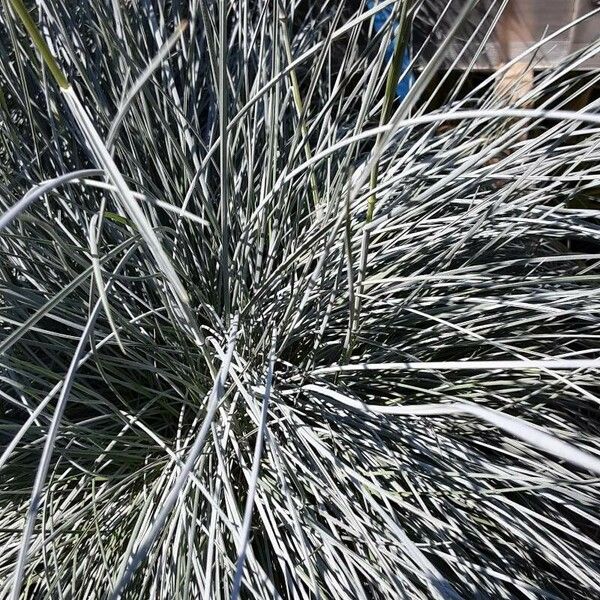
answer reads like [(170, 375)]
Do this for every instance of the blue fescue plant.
[(270, 331)]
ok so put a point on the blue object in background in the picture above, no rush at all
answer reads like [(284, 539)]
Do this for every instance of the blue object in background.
[(379, 20)]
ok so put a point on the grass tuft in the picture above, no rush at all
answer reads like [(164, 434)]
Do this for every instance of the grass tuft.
[(268, 331)]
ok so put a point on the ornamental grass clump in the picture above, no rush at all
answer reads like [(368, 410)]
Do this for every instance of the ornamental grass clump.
[(270, 331)]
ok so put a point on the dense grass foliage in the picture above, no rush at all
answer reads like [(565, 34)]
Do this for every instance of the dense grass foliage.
[(222, 377)]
